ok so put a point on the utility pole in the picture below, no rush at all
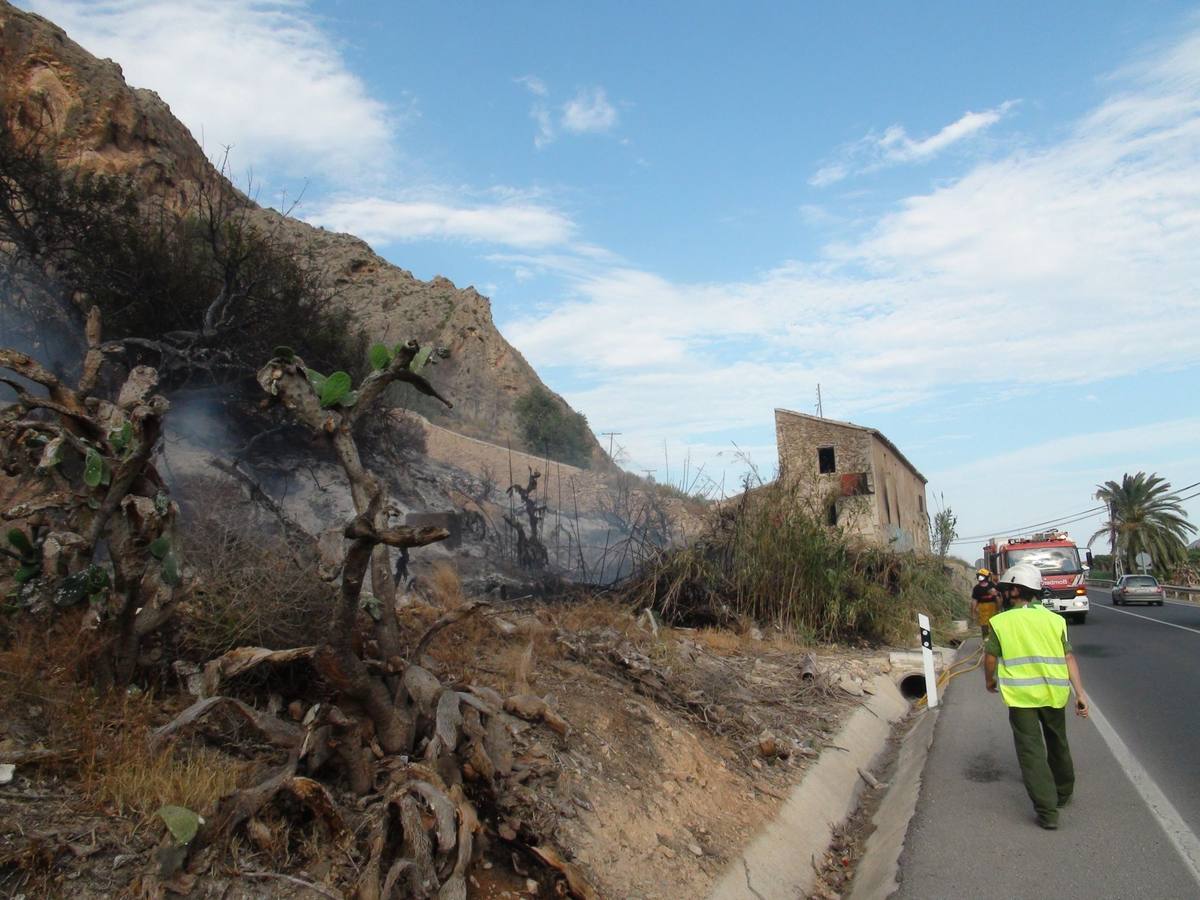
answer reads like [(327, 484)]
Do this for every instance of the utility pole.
[(650, 473), (820, 410), (610, 435)]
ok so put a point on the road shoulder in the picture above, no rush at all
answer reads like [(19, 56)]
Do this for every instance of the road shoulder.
[(973, 833)]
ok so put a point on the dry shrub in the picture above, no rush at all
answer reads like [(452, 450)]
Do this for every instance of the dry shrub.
[(252, 587), (391, 440)]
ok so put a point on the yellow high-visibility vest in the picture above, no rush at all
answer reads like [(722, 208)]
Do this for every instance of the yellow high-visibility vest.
[(1033, 669)]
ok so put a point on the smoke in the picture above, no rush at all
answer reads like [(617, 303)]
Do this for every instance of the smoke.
[(199, 419), (41, 324)]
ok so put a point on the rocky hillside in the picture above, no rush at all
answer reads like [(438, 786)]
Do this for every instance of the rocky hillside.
[(100, 124)]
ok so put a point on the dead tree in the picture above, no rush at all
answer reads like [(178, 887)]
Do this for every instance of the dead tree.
[(77, 484), (531, 552)]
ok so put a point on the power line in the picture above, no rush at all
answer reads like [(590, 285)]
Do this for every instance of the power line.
[(1061, 520), (1068, 519)]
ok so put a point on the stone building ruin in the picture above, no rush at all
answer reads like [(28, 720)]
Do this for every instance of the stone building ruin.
[(859, 478)]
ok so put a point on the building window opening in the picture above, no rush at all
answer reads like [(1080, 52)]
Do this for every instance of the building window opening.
[(826, 462), (921, 504), (831, 515), (887, 504)]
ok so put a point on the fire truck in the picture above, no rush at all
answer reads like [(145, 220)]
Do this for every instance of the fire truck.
[(1064, 574)]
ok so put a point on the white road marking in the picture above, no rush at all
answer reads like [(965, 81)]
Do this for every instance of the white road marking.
[(1177, 831), (1126, 612), (1192, 603)]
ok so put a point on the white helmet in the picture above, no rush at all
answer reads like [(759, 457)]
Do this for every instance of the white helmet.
[(1025, 575)]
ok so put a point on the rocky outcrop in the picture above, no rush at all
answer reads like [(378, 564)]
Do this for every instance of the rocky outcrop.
[(484, 374), (98, 123)]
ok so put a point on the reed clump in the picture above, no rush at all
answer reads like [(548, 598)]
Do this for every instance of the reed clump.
[(769, 559)]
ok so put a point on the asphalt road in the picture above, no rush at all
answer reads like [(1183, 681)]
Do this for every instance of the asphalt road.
[(1143, 675), (974, 833)]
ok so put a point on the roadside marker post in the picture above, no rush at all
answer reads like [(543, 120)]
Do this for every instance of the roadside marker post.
[(931, 697)]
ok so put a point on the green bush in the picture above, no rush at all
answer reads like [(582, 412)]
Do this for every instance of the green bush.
[(770, 560), (551, 428)]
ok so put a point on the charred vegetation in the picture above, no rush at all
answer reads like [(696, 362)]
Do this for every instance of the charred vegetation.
[(92, 526)]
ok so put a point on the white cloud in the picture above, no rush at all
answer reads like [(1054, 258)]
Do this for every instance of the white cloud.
[(897, 146), (545, 131), (262, 76), (894, 146), (514, 224), (1057, 255), (533, 84), (589, 112), (256, 74), (829, 174), (539, 112)]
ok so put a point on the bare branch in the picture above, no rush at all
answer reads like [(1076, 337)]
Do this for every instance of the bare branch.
[(275, 730), (94, 358), (450, 618)]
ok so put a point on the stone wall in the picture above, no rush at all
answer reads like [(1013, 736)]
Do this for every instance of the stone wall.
[(799, 439), (902, 521), (601, 509)]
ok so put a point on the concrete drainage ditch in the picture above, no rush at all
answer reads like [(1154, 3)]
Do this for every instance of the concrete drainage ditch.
[(778, 862)]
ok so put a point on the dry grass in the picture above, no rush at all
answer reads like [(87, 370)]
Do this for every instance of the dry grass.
[(100, 741), (726, 642), (598, 612), (721, 640), (445, 588), (121, 774), (479, 648)]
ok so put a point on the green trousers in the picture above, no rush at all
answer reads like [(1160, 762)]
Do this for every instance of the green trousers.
[(1040, 736)]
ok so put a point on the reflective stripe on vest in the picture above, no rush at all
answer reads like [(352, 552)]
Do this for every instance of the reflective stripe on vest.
[(1033, 670)]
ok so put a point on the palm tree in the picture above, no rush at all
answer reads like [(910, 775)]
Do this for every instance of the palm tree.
[(1144, 515)]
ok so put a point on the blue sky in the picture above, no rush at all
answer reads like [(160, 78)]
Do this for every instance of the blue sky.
[(975, 225)]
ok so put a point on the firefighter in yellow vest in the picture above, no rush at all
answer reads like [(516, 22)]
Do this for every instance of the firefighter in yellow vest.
[(1029, 660), (985, 600)]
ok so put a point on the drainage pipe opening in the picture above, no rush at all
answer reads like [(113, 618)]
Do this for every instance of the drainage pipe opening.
[(912, 687)]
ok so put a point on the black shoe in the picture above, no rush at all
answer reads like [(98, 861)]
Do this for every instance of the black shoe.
[(1064, 801), (1048, 825)]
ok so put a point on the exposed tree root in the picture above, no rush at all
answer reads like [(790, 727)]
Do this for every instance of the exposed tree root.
[(422, 758)]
